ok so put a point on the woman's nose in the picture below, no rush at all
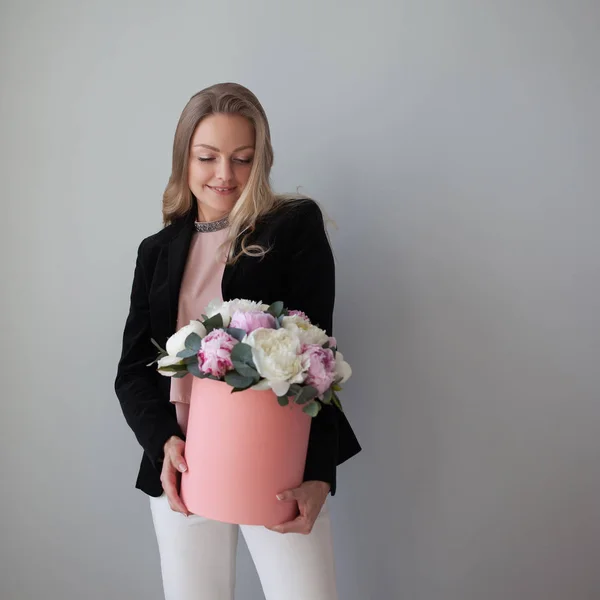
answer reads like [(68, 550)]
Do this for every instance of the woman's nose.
[(224, 171)]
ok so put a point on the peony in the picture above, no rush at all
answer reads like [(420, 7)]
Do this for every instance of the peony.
[(307, 333), (251, 320), (298, 313), (322, 367), (342, 368), (214, 356), (176, 343), (168, 361), (226, 309), (278, 359)]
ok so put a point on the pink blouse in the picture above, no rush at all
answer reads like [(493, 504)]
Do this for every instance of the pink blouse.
[(201, 283)]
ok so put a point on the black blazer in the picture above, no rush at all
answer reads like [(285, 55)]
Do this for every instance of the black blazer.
[(298, 269)]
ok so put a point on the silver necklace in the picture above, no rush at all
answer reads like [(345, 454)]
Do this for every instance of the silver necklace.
[(206, 227)]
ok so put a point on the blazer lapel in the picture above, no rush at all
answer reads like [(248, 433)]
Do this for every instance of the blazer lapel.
[(178, 250)]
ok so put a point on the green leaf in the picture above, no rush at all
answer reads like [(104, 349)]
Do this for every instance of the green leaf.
[(306, 393), (187, 353), (194, 369), (295, 389), (238, 334), (283, 400), (327, 396), (336, 388), (246, 370), (193, 342), (337, 402), (325, 345), (243, 353), (276, 309), (180, 375), (158, 345), (312, 409), (238, 381), (215, 322)]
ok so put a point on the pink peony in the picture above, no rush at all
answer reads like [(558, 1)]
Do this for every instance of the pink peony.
[(214, 357), (249, 321), (321, 370), (298, 313), (332, 342)]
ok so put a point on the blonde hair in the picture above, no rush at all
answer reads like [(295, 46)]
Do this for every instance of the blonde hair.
[(257, 198)]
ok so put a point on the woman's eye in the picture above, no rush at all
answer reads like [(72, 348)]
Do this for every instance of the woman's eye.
[(243, 161), (201, 159)]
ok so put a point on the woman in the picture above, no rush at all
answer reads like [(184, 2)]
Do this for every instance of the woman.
[(227, 235)]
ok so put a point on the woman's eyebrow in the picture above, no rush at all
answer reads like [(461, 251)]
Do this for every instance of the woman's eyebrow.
[(217, 150)]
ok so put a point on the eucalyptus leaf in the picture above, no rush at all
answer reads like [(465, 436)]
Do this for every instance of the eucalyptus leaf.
[(295, 389), (243, 353), (194, 369), (337, 402), (236, 380), (187, 353), (312, 409), (246, 370), (193, 342), (325, 345), (158, 345), (327, 396), (306, 394), (276, 309), (283, 400), (215, 322), (190, 360), (238, 334), (336, 387), (180, 375)]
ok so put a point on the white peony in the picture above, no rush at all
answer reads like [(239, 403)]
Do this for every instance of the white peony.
[(168, 361), (176, 343), (226, 309), (276, 354), (342, 368), (307, 333)]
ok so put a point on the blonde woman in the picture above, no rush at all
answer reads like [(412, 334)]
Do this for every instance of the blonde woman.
[(228, 235)]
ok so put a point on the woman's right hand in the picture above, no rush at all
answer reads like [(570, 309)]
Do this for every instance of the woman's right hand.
[(173, 464)]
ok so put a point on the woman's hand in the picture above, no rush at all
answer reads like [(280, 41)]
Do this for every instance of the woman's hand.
[(173, 463), (310, 496)]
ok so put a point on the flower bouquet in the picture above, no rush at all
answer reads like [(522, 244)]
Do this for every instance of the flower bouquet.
[(249, 360)]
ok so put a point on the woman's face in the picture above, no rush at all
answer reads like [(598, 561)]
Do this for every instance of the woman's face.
[(221, 154)]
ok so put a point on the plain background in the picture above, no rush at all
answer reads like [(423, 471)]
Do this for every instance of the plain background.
[(455, 144)]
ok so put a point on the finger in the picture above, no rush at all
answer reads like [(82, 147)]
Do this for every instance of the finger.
[(178, 461), (289, 495), (298, 525), (169, 482)]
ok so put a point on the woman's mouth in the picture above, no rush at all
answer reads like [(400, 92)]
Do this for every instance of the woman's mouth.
[(222, 191)]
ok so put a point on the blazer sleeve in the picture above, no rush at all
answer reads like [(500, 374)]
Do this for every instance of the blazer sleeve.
[(146, 410), (311, 288)]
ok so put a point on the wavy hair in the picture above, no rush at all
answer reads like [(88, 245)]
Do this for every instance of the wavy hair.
[(257, 198)]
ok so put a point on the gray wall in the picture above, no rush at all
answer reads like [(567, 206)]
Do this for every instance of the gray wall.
[(455, 144)]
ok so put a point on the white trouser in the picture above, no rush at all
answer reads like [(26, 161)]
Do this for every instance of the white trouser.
[(198, 555)]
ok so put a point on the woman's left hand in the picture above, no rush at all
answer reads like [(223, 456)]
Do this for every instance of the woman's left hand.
[(310, 496)]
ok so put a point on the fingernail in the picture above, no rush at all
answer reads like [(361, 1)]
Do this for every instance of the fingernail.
[(279, 496), (182, 468)]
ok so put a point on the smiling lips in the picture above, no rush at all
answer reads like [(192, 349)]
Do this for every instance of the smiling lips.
[(222, 191)]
